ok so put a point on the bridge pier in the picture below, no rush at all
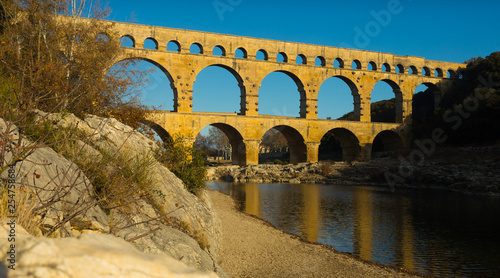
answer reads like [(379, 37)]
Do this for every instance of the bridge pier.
[(184, 101), (312, 151), (407, 111), (363, 152), (364, 108), (250, 152), (400, 110)]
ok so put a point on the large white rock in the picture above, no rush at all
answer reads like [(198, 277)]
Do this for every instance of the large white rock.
[(53, 177), (89, 255), (109, 134), (53, 180)]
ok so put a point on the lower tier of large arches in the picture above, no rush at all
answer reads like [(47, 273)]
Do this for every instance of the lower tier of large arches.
[(305, 140)]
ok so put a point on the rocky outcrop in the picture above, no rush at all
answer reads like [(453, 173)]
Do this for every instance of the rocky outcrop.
[(88, 255), (109, 134), (54, 181), (472, 170), (196, 236), (324, 172)]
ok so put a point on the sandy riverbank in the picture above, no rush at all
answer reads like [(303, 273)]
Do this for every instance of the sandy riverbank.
[(252, 248)]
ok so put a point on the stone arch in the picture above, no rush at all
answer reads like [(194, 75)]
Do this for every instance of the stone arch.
[(320, 61), (296, 144), (162, 133), (356, 64), (300, 89), (302, 92), (412, 70), (282, 57), (386, 141), (426, 71), (151, 41), (220, 49), (124, 38), (263, 53), (238, 148), (238, 78), (386, 67), (451, 74), (338, 63), (398, 94), (174, 45), (301, 59), (163, 69), (371, 66), (354, 92), (424, 103), (243, 53), (438, 72), (196, 48), (400, 69), (436, 91), (347, 140)]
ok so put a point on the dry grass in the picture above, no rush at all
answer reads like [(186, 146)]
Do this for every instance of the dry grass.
[(24, 209), (202, 239), (326, 168)]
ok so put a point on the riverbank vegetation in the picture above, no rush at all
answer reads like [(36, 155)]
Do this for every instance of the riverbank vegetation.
[(470, 110)]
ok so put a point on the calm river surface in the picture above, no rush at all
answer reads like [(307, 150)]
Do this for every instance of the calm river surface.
[(432, 232)]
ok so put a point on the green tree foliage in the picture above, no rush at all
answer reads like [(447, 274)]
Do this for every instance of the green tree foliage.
[(186, 162), (381, 111), (384, 111), (348, 117), (423, 107), (470, 111)]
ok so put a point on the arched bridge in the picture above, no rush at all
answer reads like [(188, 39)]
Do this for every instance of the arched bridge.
[(250, 60)]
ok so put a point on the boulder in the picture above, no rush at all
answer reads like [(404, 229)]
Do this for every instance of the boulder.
[(89, 255), (53, 180), (172, 197), (156, 238)]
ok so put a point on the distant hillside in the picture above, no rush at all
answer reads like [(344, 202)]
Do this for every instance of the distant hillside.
[(382, 111), (469, 113)]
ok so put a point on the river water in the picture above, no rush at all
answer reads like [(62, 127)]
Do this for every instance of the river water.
[(437, 233)]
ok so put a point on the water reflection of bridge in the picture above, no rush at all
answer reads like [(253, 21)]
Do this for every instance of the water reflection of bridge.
[(311, 216)]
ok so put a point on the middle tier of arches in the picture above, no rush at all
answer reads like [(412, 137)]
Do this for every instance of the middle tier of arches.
[(182, 71)]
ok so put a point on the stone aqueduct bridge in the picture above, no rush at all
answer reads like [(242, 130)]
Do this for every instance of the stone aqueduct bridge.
[(246, 128)]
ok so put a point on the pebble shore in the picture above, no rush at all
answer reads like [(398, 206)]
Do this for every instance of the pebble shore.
[(253, 248)]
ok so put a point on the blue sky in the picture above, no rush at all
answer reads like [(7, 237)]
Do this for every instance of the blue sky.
[(446, 30)]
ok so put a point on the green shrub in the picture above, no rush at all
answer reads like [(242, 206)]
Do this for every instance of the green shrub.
[(185, 162)]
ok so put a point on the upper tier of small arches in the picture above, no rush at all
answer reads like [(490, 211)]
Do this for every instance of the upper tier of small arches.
[(283, 57)]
